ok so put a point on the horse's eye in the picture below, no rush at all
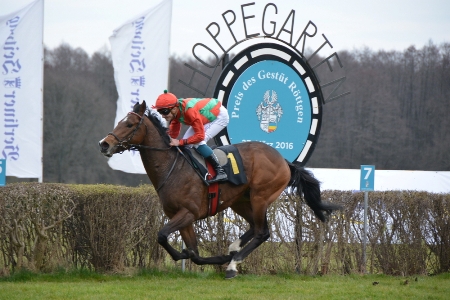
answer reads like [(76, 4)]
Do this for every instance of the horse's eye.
[(129, 125)]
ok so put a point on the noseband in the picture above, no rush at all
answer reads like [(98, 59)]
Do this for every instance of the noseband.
[(125, 143)]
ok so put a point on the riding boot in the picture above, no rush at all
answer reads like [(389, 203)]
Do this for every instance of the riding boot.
[(220, 173)]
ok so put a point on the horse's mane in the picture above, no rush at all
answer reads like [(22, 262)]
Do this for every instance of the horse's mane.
[(157, 121)]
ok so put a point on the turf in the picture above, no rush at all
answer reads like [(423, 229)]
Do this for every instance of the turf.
[(177, 285)]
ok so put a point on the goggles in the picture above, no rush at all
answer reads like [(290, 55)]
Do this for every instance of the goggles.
[(164, 111)]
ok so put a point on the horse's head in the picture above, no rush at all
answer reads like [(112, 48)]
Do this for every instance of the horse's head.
[(129, 131)]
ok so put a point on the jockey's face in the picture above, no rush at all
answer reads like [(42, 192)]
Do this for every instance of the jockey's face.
[(171, 115)]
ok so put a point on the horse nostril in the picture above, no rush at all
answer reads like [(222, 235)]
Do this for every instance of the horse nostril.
[(103, 146)]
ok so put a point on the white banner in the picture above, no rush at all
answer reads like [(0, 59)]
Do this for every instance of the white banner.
[(140, 54), (21, 76)]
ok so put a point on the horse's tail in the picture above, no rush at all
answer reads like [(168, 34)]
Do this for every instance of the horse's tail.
[(305, 184)]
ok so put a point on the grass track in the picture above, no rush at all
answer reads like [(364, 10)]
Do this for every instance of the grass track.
[(176, 285)]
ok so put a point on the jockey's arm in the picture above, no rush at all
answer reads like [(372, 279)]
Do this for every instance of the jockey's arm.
[(174, 129), (193, 118)]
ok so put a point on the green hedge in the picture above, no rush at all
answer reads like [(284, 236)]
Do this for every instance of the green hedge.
[(114, 228)]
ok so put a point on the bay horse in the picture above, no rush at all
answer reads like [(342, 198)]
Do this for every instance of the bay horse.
[(183, 194)]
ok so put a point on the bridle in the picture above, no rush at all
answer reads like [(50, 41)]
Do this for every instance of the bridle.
[(125, 144)]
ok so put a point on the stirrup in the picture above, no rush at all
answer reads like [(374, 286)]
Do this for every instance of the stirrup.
[(222, 176)]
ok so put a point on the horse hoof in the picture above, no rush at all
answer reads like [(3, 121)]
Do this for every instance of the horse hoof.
[(230, 274), (185, 254), (192, 254)]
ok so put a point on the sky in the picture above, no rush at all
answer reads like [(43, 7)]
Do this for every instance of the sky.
[(347, 24)]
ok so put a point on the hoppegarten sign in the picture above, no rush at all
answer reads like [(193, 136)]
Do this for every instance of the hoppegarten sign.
[(273, 97), (271, 91)]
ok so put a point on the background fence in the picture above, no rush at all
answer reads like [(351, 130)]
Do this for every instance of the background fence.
[(114, 229)]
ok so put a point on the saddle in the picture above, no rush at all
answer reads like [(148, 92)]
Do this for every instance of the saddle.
[(230, 160)]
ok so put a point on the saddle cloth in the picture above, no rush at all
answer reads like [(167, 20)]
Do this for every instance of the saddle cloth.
[(229, 158)]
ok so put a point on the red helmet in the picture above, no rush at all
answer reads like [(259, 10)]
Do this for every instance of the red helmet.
[(166, 100)]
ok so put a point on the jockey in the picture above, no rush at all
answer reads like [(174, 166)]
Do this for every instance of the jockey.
[(206, 118)]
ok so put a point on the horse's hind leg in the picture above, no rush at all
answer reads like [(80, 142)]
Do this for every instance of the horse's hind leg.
[(260, 200), (243, 239), (260, 236), (244, 209)]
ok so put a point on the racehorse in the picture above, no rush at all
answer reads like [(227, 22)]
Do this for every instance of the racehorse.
[(183, 194)]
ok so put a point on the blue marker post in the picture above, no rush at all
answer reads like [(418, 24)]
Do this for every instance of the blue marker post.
[(367, 183), (2, 172)]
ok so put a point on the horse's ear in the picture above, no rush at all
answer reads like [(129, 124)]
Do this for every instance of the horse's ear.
[(136, 107), (142, 108)]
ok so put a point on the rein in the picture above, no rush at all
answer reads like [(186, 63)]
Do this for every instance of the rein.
[(126, 141), (125, 144), (168, 174)]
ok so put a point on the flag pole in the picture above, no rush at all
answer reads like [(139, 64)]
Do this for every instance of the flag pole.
[(41, 178), (170, 37)]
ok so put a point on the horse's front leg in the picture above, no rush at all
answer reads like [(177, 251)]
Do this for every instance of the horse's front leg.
[(181, 220), (190, 240)]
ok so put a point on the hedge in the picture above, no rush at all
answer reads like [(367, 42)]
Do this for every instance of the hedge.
[(110, 228)]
